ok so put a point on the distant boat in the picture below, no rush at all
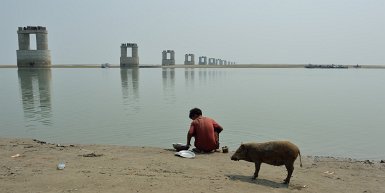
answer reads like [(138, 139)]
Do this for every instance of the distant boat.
[(105, 65)]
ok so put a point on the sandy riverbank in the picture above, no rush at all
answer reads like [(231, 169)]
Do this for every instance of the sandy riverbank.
[(31, 166)]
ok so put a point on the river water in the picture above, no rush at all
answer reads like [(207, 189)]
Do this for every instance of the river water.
[(326, 112)]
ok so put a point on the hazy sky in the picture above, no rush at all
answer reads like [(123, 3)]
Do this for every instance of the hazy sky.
[(245, 31)]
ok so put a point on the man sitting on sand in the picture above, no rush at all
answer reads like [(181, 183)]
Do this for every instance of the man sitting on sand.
[(205, 131)]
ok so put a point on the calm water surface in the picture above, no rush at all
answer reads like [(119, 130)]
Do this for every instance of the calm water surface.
[(333, 112)]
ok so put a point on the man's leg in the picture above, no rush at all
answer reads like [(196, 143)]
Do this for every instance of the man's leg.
[(216, 139)]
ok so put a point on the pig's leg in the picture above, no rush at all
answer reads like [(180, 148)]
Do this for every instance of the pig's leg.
[(257, 167), (290, 169)]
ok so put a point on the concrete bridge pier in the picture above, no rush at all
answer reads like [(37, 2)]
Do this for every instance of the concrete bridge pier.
[(39, 58), (212, 61), (203, 60), (167, 61), (125, 60), (189, 59)]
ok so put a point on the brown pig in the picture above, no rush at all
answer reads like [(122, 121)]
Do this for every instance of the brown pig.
[(275, 153)]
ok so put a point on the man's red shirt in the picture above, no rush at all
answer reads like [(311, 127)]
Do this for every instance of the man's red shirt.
[(202, 128)]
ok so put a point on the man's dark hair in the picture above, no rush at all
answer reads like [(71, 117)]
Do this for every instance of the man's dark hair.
[(194, 111)]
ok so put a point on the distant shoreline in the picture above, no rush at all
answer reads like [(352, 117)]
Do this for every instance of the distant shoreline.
[(200, 66)]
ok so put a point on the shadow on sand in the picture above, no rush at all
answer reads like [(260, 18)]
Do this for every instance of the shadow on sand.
[(258, 181)]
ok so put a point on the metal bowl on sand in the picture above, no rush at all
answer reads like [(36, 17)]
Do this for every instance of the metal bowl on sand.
[(180, 146)]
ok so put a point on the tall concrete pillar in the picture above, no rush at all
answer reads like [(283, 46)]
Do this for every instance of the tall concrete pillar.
[(41, 57), (135, 51), (41, 41), (165, 60), (172, 57), (212, 61), (189, 59), (185, 58), (132, 61), (202, 60), (217, 61), (164, 55), (123, 50), (23, 40), (192, 58)]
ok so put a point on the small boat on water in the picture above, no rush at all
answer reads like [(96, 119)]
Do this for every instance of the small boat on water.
[(357, 66), (105, 65)]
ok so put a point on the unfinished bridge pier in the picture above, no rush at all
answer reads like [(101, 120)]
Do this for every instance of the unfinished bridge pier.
[(41, 57), (129, 61), (189, 59), (212, 61), (167, 61), (202, 60)]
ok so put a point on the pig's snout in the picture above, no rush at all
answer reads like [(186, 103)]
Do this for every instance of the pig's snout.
[(234, 158)]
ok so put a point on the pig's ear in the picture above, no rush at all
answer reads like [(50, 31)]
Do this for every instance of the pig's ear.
[(242, 145)]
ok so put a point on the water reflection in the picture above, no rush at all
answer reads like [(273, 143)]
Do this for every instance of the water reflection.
[(189, 74), (202, 74), (35, 87), (130, 87), (205, 74), (168, 77)]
